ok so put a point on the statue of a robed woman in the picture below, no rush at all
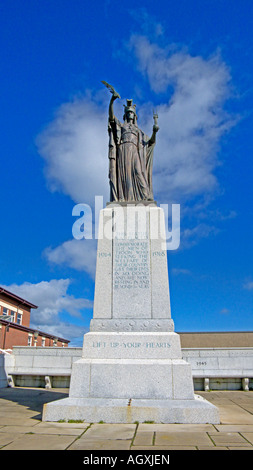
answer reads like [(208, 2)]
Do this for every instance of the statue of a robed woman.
[(130, 155)]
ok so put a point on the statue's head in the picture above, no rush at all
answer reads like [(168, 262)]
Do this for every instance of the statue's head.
[(130, 111)]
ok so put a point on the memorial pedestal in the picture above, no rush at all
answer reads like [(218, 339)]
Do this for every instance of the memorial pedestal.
[(131, 367)]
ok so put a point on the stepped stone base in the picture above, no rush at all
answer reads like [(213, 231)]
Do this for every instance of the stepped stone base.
[(197, 410), (126, 377)]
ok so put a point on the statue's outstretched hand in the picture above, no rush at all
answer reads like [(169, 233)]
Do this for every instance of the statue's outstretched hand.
[(115, 95)]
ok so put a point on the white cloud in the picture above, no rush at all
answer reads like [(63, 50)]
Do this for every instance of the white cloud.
[(179, 271), (77, 254), (191, 236), (191, 122), (74, 147), (146, 22), (74, 333), (52, 298), (248, 285)]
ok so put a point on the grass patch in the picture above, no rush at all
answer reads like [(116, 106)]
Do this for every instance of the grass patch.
[(75, 421)]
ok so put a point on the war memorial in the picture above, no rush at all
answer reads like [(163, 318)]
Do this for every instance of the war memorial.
[(131, 369)]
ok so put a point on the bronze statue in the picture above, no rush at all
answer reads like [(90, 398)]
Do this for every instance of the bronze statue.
[(130, 155)]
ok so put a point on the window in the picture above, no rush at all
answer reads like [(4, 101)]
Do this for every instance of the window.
[(43, 342), (30, 340), (12, 314), (9, 314), (19, 318)]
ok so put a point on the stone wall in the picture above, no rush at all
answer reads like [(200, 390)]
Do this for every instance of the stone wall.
[(212, 368), (7, 362), (221, 368)]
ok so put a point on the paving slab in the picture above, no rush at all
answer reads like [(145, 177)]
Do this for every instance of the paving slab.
[(240, 448), (248, 436), (213, 448), (45, 424), (44, 430), (40, 442), (111, 431), (183, 438), (143, 427), (19, 413), (100, 444), (228, 396), (229, 439), (234, 427), (234, 414), (5, 401), (143, 438), (247, 407), (16, 429), (243, 401), (219, 401), (155, 448), (7, 438), (8, 420), (10, 404)]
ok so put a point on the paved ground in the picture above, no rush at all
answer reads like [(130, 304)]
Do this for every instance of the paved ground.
[(21, 427)]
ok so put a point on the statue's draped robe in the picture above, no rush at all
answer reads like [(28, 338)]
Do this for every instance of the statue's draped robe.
[(130, 162)]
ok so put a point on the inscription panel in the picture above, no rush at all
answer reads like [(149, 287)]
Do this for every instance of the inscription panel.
[(131, 264), (132, 345), (205, 363), (131, 278)]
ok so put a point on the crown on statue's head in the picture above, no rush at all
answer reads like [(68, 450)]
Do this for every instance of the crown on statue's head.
[(130, 106)]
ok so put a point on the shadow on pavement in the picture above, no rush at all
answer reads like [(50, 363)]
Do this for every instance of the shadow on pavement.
[(32, 398)]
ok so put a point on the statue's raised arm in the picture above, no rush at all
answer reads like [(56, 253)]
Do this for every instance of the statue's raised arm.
[(155, 129), (115, 95)]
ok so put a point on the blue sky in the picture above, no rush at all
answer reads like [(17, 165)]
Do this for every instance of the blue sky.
[(192, 62)]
